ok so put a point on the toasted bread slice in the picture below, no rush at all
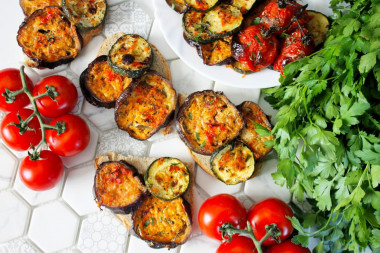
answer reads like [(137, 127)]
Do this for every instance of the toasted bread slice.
[(142, 164)]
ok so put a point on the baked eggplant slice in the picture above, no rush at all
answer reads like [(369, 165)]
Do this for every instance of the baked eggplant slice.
[(131, 55), (147, 105), (48, 38), (119, 187), (201, 5), (207, 120), (255, 117), (233, 163), (163, 224), (30, 6), (218, 52), (85, 14), (100, 85), (167, 178), (223, 20), (193, 27), (318, 27), (177, 5)]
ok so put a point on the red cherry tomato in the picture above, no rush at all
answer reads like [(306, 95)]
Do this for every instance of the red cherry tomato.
[(11, 135), (267, 212), (287, 247), (65, 101), (41, 174), (10, 79), (238, 244), (71, 142), (220, 209)]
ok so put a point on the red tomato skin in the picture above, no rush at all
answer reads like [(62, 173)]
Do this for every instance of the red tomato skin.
[(10, 133), (71, 142), (65, 101), (220, 209), (42, 174), (267, 212), (10, 78), (287, 247), (238, 244)]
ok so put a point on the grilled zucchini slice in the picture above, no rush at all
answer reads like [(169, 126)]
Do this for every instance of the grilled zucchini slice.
[(85, 14), (119, 187), (318, 27), (177, 5), (208, 120), (241, 68), (201, 5), (233, 163), (218, 52), (147, 105), (100, 85), (223, 20), (49, 38), (243, 5), (193, 27), (30, 6), (255, 117), (130, 55), (167, 178), (163, 223)]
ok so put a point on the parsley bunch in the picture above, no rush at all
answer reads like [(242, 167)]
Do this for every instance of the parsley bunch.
[(328, 132)]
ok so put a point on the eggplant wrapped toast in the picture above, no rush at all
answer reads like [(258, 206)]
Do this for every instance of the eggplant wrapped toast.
[(48, 38)]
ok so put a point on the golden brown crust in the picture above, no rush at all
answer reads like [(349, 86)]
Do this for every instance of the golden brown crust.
[(30, 6)]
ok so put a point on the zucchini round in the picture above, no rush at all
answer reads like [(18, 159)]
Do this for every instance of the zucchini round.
[(201, 5), (223, 20), (163, 224), (318, 27), (167, 178), (177, 5), (241, 68), (233, 163), (207, 120), (100, 85), (243, 5), (193, 27), (147, 105), (119, 187), (130, 55), (30, 6)]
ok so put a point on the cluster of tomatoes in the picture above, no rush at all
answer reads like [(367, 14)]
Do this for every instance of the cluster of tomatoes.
[(225, 208), (20, 129)]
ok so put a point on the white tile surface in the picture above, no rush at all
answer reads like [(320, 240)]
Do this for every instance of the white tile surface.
[(9, 165), (18, 245), (200, 244)]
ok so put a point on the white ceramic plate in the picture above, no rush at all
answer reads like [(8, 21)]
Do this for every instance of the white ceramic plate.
[(170, 23)]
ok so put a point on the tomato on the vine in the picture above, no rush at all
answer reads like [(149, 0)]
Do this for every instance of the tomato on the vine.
[(73, 140), (238, 244), (220, 209), (10, 132), (10, 79), (43, 173), (267, 212), (287, 247), (64, 103)]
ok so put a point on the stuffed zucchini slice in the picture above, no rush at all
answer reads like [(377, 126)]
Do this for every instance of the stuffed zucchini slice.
[(201, 5), (167, 178), (30, 6), (100, 85), (318, 27), (223, 20), (193, 27), (218, 52), (119, 187), (147, 105), (207, 120), (255, 118), (233, 163), (49, 38), (178, 5), (163, 224), (130, 55)]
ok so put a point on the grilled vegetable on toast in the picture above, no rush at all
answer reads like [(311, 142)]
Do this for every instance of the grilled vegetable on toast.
[(85, 14), (49, 38), (255, 118), (30, 6), (119, 187), (207, 120), (167, 178), (318, 27), (163, 223), (100, 85), (201, 5), (193, 27), (233, 163), (131, 55), (177, 5), (218, 52), (147, 105)]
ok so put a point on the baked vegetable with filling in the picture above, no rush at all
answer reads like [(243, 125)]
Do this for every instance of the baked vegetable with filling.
[(30, 6), (119, 187)]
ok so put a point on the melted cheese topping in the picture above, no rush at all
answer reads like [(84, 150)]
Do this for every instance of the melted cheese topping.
[(30, 6), (47, 35), (116, 186), (87, 13)]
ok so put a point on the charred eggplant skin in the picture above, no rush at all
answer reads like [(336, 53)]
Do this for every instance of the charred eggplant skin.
[(131, 207)]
